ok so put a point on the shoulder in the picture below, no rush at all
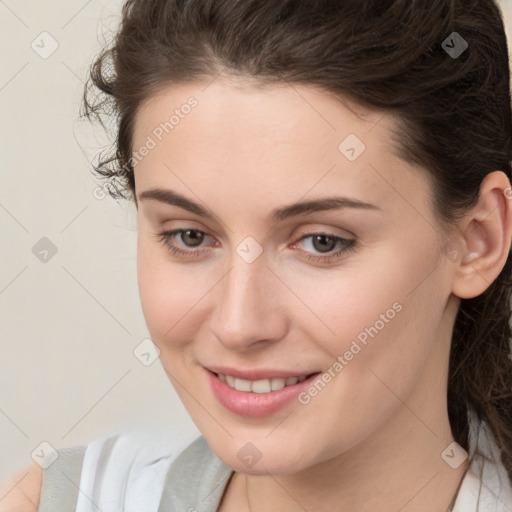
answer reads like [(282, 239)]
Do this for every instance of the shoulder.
[(22, 491), (30, 487), (36, 486), (119, 471)]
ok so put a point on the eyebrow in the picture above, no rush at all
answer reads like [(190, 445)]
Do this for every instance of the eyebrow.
[(302, 208)]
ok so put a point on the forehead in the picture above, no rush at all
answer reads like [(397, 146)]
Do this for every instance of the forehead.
[(285, 112), (292, 138)]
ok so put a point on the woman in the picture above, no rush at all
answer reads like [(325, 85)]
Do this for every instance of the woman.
[(324, 229)]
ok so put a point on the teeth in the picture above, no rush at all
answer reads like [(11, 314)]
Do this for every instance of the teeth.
[(259, 386), (242, 385), (277, 384)]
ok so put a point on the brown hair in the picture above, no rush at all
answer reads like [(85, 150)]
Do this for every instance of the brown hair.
[(454, 116)]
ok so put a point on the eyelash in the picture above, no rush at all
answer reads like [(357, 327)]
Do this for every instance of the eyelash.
[(347, 245)]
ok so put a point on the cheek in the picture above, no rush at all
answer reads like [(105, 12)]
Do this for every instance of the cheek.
[(380, 313), (385, 325), (170, 295), (364, 292)]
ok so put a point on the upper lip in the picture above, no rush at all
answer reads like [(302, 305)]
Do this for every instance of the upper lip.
[(257, 373)]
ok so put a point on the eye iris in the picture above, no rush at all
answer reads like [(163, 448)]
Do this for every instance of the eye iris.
[(327, 243), (192, 240)]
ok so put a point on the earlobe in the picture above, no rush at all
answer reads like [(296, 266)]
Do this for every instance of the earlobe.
[(487, 233)]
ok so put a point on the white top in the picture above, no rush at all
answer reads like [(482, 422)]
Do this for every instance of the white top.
[(133, 471)]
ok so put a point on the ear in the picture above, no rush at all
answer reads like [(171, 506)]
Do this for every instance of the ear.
[(487, 233)]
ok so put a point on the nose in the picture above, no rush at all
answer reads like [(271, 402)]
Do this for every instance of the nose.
[(248, 313)]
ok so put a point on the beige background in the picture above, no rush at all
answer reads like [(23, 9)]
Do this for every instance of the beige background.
[(69, 325)]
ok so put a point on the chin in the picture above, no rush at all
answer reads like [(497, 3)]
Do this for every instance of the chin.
[(261, 456)]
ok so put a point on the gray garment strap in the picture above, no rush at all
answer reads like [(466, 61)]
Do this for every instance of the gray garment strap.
[(195, 481), (61, 480)]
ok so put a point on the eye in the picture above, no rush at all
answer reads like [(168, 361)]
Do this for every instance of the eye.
[(325, 243), (189, 238)]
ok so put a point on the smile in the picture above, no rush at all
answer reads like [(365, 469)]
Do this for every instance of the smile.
[(260, 386), (256, 397)]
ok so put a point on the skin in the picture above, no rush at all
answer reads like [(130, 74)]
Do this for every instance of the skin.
[(21, 493), (372, 438)]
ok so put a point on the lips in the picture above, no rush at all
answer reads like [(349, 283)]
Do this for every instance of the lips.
[(254, 397)]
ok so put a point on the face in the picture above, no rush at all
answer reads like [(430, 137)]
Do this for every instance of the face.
[(276, 249)]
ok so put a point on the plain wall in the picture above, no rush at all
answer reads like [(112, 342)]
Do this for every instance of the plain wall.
[(68, 325)]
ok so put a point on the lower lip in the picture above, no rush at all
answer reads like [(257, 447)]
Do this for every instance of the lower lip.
[(255, 405)]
